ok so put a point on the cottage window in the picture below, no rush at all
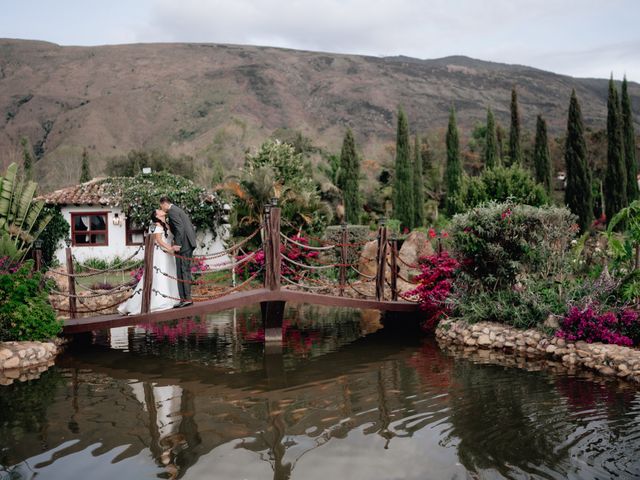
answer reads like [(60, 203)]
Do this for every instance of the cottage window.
[(135, 234), (89, 229)]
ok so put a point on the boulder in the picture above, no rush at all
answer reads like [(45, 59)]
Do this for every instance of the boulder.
[(367, 261), (415, 246)]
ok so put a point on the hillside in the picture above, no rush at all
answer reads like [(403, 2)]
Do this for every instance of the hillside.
[(215, 101)]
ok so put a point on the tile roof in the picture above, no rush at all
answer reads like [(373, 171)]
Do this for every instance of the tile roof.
[(99, 191)]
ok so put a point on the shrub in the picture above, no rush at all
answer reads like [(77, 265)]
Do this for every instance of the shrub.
[(434, 286), (501, 243), (56, 230), (619, 327), (25, 313), (500, 184)]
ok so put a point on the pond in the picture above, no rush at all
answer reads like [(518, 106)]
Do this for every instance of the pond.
[(345, 399)]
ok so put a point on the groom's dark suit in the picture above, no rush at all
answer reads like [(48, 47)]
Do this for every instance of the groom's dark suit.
[(184, 235)]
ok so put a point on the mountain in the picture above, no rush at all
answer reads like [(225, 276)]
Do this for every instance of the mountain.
[(215, 101)]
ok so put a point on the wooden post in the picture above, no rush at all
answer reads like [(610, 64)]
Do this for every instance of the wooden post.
[(147, 284), (37, 255), (73, 311), (265, 245), (343, 258), (272, 275), (381, 258), (394, 268)]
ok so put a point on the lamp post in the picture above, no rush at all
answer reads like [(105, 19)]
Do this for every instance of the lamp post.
[(37, 254)]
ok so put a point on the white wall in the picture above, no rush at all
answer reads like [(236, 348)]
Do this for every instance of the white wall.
[(117, 239)]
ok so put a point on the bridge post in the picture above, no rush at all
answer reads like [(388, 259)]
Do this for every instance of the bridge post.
[(273, 258), (381, 259), (272, 312), (343, 258), (73, 311), (147, 284), (394, 267)]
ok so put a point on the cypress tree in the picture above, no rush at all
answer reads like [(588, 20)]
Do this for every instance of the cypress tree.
[(491, 142), (541, 155), (349, 178), (27, 158), (629, 140), (515, 151), (418, 186), (85, 171), (453, 171), (403, 208), (577, 194), (615, 180)]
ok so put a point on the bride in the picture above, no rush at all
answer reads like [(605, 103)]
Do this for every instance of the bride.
[(164, 288)]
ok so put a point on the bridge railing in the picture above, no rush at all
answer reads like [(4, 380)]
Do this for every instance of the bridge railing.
[(333, 269)]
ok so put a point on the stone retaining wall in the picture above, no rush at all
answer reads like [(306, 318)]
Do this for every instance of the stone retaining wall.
[(25, 360), (611, 360)]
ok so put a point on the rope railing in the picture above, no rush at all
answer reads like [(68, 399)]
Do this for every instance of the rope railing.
[(297, 284), (309, 267), (123, 263), (119, 289), (96, 310), (369, 277), (219, 254), (308, 247)]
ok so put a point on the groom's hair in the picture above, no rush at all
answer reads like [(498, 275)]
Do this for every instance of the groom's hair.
[(165, 199)]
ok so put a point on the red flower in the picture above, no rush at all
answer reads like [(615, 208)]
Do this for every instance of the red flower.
[(444, 234), (432, 233), (506, 214)]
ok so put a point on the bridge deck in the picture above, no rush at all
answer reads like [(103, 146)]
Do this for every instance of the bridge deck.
[(240, 299)]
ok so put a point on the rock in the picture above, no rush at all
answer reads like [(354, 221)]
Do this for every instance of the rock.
[(12, 362), (5, 353), (607, 370), (484, 340), (551, 349), (551, 322), (415, 246), (367, 262)]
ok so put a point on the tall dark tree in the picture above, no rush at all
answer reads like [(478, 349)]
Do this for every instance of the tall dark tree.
[(349, 178), (541, 155), (577, 195), (403, 208), (27, 158), (453, 171), (615, 180), (629, 140), (491, 142), (515, 149), (85, 169), (418, 186)]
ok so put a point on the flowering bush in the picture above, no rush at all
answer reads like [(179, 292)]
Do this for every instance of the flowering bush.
[(616, 327), (434, 288), (501, 242), (289, 270), (199, 265)]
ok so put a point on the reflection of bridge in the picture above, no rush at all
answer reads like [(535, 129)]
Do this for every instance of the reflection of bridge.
[(326, 268)]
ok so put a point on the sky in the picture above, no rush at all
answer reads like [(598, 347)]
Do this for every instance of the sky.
[(583, 38)]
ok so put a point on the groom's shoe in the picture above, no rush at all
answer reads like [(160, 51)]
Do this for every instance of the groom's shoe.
[(187, 303), (179, 305)]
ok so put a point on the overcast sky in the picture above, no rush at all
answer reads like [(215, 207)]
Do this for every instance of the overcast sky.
[(585, 38)]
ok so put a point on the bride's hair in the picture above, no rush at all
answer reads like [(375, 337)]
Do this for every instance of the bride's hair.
[(155, 219)]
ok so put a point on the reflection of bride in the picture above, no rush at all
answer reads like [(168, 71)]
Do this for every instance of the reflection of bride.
[(164, 287)]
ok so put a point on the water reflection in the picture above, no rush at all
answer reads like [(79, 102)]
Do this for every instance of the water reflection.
[(343, 400)]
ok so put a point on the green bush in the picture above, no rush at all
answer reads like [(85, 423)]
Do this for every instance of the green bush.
[(57, 229), (355, 234), (25, 313), (502, 243), (500, 184)]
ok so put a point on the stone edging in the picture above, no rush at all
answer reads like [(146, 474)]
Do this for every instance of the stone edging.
[(25, 360), (610, 360)]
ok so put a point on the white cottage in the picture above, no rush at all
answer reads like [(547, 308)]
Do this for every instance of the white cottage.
[(100, 229)]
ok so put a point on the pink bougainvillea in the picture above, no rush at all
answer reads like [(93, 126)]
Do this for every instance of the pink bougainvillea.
[(434, 288), (590, 325), (290, 250)]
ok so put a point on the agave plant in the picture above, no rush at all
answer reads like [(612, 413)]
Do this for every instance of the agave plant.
[(21, 217)]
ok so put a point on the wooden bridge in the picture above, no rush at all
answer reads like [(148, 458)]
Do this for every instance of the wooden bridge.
[(271, 295)]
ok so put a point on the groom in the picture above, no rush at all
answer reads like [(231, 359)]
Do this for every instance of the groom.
[(184, 236)]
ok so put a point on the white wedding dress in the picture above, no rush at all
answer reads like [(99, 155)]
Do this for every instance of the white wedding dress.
[(164, 289)]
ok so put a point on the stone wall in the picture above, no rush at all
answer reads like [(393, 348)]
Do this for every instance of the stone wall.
[(611, 360), (25, 360)]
